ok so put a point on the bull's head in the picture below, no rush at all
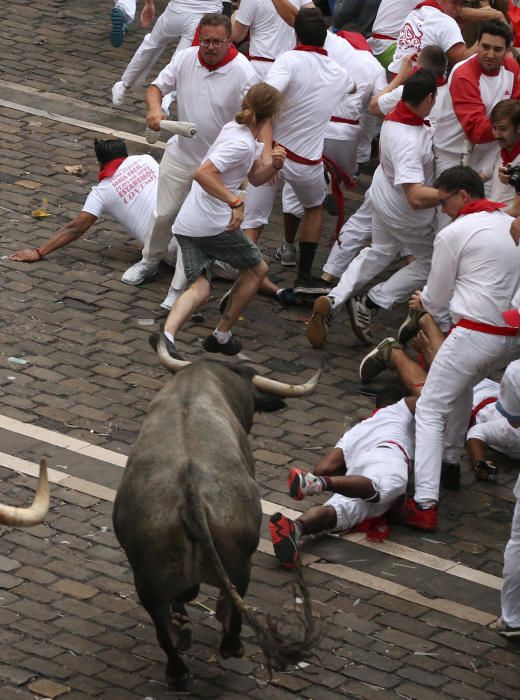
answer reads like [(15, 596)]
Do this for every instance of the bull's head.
[(269, 386), (24, 517)]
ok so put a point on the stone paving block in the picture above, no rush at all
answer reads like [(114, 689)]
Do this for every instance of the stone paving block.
[(76, 589), (48, 688)]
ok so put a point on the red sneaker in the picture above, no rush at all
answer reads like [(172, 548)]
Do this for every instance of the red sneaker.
[(302, 483), (283, 536), (408, 513)]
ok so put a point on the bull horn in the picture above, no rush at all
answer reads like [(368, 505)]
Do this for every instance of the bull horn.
[(24, 517), (271, 386), (166, 359)]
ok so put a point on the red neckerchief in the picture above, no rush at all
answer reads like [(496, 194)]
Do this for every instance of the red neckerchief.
[(404, 115), (509, 156), (196, 36), (440, 80), (477, 205), (313, 49), (429, 3), (230, 55), (356, 40), (109, 168)]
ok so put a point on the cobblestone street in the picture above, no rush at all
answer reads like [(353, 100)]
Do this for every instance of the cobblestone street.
[(409, 618)]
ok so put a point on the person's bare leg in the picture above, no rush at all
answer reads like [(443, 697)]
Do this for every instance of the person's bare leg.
[(410, 373), (317, 519), (291, 224), (192, 299), (241, 293), (254, 233)]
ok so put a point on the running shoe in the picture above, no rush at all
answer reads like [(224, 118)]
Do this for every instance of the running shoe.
[(232, 347), (360, 317), (378, 359), (302, 483), (283, 536), (409, 327), (118, 30), (408, 513), (317, 328), (286, 254)]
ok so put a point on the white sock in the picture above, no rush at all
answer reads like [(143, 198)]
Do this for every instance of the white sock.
[(222, 336), (170, 337), (298, 531)]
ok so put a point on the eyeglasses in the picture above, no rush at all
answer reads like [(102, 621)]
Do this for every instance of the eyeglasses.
[(443, 200), (217, 43)]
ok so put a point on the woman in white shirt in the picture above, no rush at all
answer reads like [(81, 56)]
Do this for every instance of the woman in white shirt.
[(208, 224)]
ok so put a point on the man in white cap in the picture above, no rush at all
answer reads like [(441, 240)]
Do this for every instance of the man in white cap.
[(508, 624)]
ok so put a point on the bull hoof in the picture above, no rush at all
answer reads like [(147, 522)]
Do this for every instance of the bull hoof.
[(229, 650), (181, 685), (185, 638)]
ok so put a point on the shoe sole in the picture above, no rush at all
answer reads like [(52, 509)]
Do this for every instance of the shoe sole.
[(284, 263), (285, 548), (508, 635), (359, 335), (317, 326), (293, 482), (117, 33), (407, 330), (366, 360)]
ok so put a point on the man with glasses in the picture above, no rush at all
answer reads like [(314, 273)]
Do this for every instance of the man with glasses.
[(475, 273), (211, 80)]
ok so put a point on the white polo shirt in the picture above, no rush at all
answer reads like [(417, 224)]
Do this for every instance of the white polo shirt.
[(313, 86), (395, 423), (233, 154), (475, 269), (270, 35), (463, 110), (370, 78), (405, 157), (129, 196), (389, 20), (426, 26), (207, 98)]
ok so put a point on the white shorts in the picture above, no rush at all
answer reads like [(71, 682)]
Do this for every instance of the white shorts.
[(308, 183), (388, 470)]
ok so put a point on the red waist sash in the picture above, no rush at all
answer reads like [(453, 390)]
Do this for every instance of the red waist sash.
[(485, 327)]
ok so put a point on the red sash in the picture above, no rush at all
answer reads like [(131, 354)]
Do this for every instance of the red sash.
[(375, 35), (260, 58), (108, 169), (300, 159), (485, 327), (475, 410), (338, 176), (230, 55), (341, 120)]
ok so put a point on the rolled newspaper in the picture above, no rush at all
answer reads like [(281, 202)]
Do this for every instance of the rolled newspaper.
[(181, 128)]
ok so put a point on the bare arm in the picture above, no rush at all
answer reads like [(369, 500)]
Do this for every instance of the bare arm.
[(287, 11), (406, 69), (421, 196), (239, 32), (65, 235), (473, 15), (147, 13), (459, 52), (476, 450), (153, 102)]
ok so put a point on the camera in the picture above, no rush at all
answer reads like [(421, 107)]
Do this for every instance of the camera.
[(513, 174)]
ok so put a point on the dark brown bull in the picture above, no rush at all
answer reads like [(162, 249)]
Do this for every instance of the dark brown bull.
[(188, 508), (35, 514)]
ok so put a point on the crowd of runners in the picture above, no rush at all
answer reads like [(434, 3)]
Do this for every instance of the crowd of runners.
[(285, 94)]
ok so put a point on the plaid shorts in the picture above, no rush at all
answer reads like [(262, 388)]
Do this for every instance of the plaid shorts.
[(200, 252)]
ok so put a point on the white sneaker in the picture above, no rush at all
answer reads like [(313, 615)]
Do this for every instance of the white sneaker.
[(139, 272), (171, 298), (286, 254), (118, 93)]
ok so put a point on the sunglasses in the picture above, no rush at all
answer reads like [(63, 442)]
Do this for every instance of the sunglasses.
[(443, 200)]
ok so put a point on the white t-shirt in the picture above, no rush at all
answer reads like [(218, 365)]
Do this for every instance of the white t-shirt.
[(406, 157), (491, 426), (395, 423), (426, 26), (233, 154), (209, 99), (129, 196), (196, 7), (389, 20), (370, 78), (270, 35), (313, 86), (475, 269)]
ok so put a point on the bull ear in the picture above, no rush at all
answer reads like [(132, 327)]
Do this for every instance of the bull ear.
[(266, 403)]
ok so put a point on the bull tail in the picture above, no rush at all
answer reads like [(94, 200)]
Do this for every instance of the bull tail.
[(278, 647), (24, 517)]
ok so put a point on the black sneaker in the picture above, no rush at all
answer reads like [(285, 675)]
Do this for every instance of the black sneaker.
[(360, 316), (450, 476), (232, 347), (170, 347), (312, 286), (505, 630), (286, 297)]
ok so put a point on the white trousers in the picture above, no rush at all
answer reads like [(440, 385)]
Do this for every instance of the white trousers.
[(355, 234), (344, 151), (443, 409), (387, 242), (510, 595), (174, 184), (127, 7), (307, 181), (370, 128), (172, 24)]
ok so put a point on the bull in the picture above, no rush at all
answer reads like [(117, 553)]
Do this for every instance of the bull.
[(188, 508), (35, 514)]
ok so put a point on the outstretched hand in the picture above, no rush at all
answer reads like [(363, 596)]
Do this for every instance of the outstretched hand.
[(415, 301), (147, 15), (27, 255)]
